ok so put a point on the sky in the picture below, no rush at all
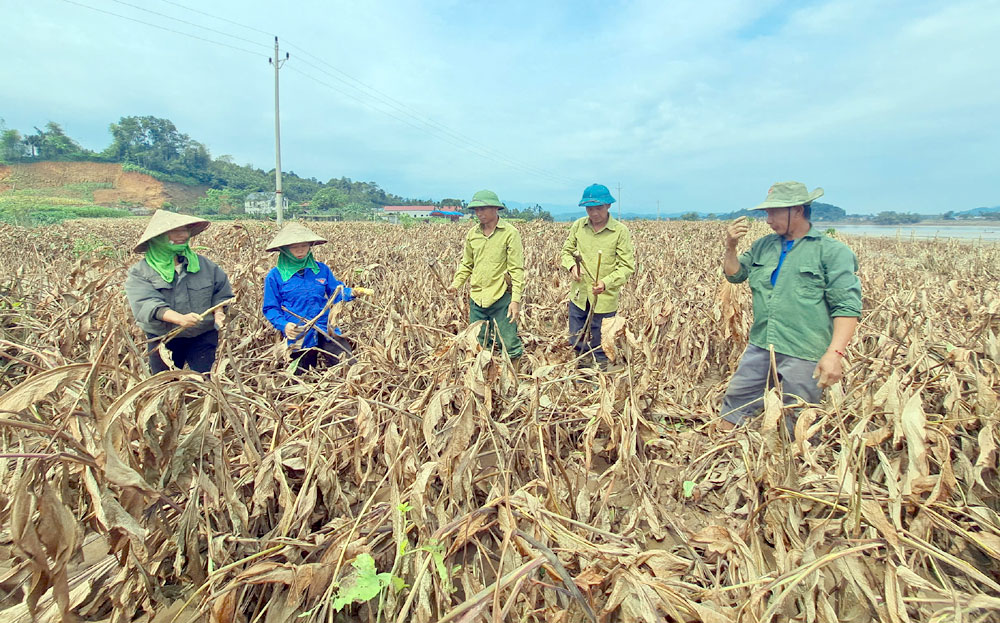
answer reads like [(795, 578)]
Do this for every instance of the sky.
[(686, 105)]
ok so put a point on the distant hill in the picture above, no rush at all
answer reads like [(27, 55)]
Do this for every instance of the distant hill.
[(820, 212), (978, 211)]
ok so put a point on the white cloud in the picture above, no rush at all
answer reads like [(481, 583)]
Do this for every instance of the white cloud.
[(877, 102)]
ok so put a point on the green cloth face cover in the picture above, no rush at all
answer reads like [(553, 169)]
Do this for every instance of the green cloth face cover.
[(160, 255), (288, 264)]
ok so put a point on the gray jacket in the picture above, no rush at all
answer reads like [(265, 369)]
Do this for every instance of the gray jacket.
[(150, 296)]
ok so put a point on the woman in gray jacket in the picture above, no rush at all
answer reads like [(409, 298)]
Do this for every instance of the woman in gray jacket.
[(172, 287)]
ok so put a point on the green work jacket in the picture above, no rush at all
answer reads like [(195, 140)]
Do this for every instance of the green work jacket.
[(818, 282), (488, 261), (617, 262)]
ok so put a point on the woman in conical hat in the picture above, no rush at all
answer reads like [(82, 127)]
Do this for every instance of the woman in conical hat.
[(297, 290), (172, 287)]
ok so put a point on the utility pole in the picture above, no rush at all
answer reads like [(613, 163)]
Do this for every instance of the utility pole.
[(657, 209), (278, 197)]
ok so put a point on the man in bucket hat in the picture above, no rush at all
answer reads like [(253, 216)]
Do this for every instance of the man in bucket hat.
[(595, 295), (172, 287), (806, 305), (493, 264)]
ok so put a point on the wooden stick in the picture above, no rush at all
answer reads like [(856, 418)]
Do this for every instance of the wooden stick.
[(303, 319), (174, 332), (590, 314), (309, 325)]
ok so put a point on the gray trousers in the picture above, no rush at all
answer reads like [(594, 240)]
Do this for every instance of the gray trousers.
[(745, 394)]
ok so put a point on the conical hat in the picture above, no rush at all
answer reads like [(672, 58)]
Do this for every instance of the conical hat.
[(165, 220), (294, 233)]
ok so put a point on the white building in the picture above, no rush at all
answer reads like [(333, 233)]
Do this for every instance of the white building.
[(263, 204), (392, 213)]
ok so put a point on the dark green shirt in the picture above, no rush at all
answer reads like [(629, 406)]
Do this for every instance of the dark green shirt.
[(818, 282)]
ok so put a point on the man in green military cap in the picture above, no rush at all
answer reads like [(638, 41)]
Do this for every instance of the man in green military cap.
[(493, 264), (596, 282), (806, 305)]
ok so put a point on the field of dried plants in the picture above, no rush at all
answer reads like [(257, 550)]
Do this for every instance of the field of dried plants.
[(428, 482)]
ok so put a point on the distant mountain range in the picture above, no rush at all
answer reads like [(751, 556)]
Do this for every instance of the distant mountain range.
[(821, 211), (978, 211)]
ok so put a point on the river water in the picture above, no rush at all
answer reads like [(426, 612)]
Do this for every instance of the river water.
[(985, 232)]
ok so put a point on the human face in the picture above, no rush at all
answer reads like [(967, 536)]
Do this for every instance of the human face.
[(300, 249), (784, 221), (598, 215), (486, 214), (179, 235)]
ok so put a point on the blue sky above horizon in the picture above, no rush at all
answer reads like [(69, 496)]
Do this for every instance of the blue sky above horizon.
[(698, 105)]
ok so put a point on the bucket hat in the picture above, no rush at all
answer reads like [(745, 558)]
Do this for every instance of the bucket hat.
[(486, 199), (596, 195), (789, 194), (165, 220), (293, 233)]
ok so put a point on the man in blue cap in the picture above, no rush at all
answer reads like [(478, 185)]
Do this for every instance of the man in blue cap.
[(595, 291), (806, 305)]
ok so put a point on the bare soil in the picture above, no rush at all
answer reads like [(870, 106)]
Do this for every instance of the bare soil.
[(126, 186)]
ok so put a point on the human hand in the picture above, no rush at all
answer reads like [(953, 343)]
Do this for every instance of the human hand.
[(184, 320), (599, 287), (220, 318), (513, 310), (736, 230), (452, 289), (292, 330), (574, 272), (829, 370)]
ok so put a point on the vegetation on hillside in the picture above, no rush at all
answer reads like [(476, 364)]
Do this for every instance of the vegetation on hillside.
[(156, 147), (47, 206)]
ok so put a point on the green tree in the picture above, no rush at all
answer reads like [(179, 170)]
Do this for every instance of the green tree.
[(689, 216), (328, 199), (12, 146), (53, 144), (157, 145), (454, 203), (895, 218), (225, 173), (218, 201)]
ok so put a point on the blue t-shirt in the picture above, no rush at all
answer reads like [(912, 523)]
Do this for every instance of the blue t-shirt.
[(785, 248)]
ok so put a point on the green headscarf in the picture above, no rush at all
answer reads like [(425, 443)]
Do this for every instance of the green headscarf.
[(288, 264), (160, 255)]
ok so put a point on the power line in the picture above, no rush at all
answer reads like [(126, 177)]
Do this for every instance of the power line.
[(369, 91), (434, 128), (178, 32), (404, 109), (222, 19), (419, 122), (439, 135), (177, 19)]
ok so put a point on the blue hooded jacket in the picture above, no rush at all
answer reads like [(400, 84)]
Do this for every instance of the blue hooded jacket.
[(305, 293)]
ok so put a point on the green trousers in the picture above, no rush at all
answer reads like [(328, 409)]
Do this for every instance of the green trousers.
[(496, 322)]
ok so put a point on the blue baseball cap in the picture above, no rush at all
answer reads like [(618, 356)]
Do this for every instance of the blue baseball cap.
[(596, 195)]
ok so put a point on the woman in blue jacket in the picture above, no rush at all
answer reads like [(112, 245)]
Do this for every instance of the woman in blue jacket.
[(297, 290)]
